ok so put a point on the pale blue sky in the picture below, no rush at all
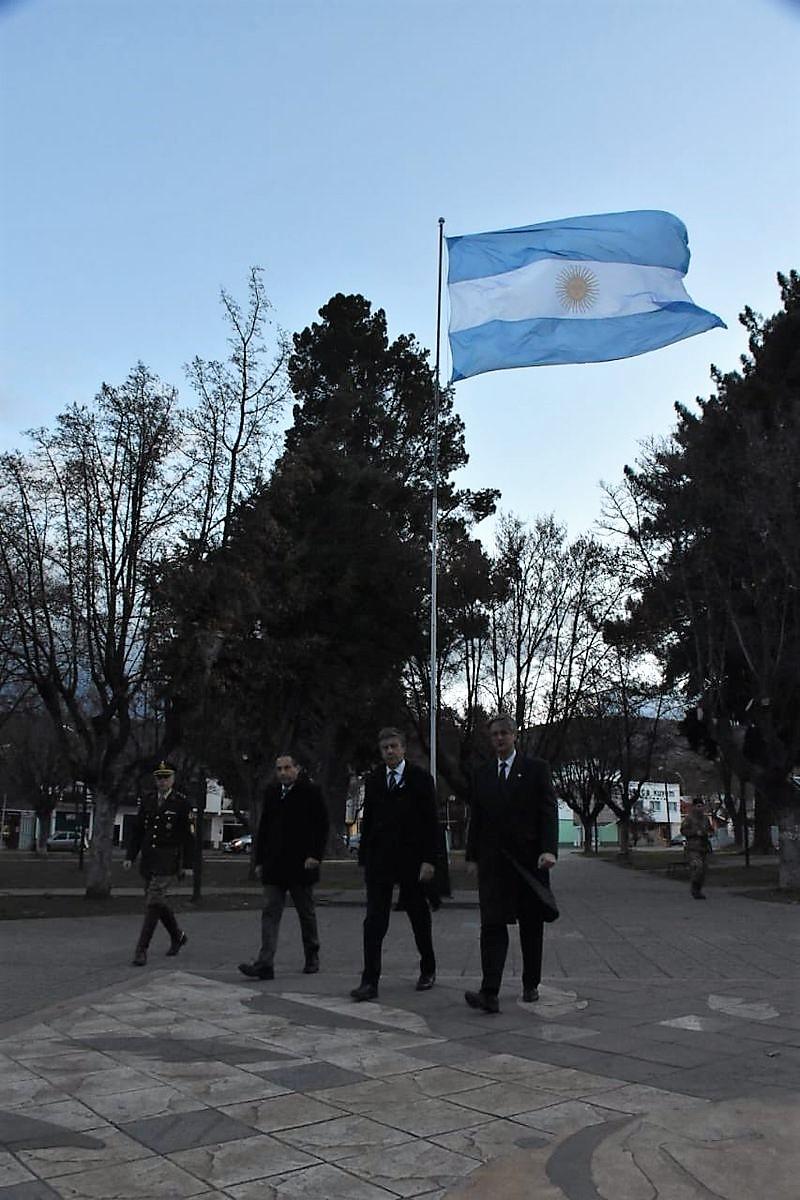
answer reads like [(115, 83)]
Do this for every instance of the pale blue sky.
[(154, 149)]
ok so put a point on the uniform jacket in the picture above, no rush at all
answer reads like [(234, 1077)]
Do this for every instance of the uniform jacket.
[(697, 829), (399, 829), (293, 827), (520, 820), (162, 833)]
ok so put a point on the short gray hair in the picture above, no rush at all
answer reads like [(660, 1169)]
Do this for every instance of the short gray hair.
[(389, 732), (504, 721)]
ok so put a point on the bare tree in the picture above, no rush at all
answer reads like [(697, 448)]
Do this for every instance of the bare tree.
[(87, 518), (234, 423)]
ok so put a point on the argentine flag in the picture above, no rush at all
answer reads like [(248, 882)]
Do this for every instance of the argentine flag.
[(587, 289)]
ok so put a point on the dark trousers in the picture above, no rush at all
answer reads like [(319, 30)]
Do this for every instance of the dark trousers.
[(274, 901), (494, 944), (697, 870), (376, 923)]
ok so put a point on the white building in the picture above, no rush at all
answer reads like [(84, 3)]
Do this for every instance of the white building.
[(654, 798)]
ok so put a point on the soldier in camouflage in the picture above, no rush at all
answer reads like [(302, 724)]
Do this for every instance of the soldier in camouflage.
[(697, 829)]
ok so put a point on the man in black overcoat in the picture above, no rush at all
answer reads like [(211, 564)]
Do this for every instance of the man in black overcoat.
[(399, 832), (290, 842), (513, 838), (162, 834)]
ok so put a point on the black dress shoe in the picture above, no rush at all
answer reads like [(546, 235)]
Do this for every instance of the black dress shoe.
[(425, 982), (311, 966), (364, 991), (254, 971), (530, 994), (139, 959), (482, 1000), (175, 946)]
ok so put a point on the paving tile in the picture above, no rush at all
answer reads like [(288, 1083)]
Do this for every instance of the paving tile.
[(567, 1117), (85, 1084), (81, 1060), (239, 1087), (564, 1033), (187, 1130), (410, 1168), (66, 1114), (28, 1091), (376, 1063), (425, 1117), (236, 1162), (110, 1147), (158, 1100), (505, 1099), (12, 1070), (343, 1136), (144, 1180), (484, 1142), (19, 1129), (34, 1189), (441, 1081), (313, 1076), (637, 1098), (12, 1172), (281, 1112), (312, 1183)]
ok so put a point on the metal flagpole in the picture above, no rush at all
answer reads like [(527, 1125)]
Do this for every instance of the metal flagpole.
[(435, 515)]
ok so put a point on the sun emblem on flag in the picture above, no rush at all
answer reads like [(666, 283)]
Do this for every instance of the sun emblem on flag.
[(577, 289)]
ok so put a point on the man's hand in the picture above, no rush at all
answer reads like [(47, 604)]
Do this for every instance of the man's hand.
[(546, 861), (472, 869), (311, 863), (257, 870), (426, 873), (126, 866)]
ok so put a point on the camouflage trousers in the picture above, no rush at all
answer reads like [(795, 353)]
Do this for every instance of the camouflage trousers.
[(697, 870)]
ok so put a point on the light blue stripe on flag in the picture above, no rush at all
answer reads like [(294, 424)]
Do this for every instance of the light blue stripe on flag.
[(587, 289)]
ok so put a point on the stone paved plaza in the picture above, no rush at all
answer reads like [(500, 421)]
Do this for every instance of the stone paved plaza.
[(662, 1062)]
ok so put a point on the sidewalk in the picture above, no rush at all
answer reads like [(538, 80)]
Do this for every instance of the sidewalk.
[(662, 1061)]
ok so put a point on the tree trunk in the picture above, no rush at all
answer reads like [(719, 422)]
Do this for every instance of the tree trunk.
[(98, 875), (588, 834), (762, 819), (789, 847), (624, 838)]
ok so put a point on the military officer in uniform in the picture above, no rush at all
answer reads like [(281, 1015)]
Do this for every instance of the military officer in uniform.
[(162, 834)]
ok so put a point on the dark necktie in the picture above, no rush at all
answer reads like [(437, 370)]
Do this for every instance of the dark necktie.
[(392, 781), (501, 775)]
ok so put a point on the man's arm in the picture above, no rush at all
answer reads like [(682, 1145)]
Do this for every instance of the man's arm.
[(319, 826), (548, 807), (473, 824), (366, 822), (135, 837), (187, 837)]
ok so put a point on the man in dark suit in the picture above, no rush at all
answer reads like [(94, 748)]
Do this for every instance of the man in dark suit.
[(289, 846), (399, 832), (162, 833), (513, 838)]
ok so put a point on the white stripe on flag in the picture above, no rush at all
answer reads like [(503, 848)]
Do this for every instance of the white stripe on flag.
[(542, 289)]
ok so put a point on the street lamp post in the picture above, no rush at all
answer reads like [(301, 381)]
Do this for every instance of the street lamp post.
[(83, 825)]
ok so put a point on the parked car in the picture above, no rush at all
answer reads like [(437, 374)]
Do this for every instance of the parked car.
[(678, 840), (239, 845), (354, 843), (65, 839)]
